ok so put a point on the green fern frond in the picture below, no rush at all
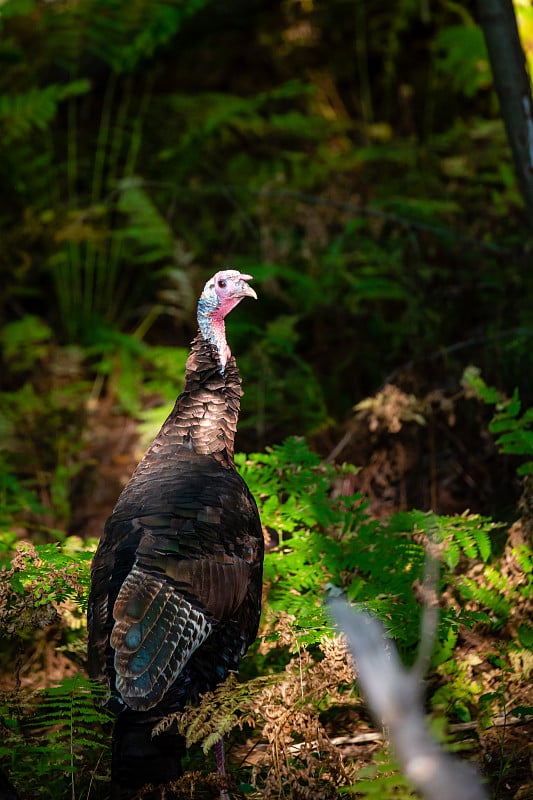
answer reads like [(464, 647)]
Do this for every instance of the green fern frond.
[(488, 598), (147, 230), (122, 35), (35, 109), (513, 430), (55, 737), (524, 557), (332, 542), (472, 540)]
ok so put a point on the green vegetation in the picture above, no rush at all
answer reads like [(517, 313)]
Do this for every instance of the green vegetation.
[(328, 543), (56, 740), (351, 156)]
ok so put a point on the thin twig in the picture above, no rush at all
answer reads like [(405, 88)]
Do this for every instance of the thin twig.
[(370, 737)]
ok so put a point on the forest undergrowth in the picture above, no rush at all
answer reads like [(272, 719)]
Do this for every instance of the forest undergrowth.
[(296, 724), (351, 157)]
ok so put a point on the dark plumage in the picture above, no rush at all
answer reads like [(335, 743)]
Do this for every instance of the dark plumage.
[(176, 580)]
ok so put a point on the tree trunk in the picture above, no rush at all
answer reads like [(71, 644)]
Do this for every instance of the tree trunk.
[(511, 80)]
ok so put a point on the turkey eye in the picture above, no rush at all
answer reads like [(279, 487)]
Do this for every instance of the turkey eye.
[(222, 284)]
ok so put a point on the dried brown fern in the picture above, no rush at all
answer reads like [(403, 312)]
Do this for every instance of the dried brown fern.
[(228, 707), (300, 761), (293, 755)]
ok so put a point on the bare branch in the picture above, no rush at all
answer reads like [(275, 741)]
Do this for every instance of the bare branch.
[(394, 696)]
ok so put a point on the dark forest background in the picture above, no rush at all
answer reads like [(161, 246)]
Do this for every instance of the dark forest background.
[(353, 157)]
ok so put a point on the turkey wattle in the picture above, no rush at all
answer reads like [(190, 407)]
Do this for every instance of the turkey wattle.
[(176, 579)]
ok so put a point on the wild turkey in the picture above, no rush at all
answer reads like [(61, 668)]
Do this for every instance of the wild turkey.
[(176, 579)]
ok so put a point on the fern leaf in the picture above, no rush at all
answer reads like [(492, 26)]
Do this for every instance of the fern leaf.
[(487, 597), (35, 109), (146, 228), (122, 35)]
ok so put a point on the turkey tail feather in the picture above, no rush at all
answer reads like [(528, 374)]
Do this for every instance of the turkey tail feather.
[(155, 633)]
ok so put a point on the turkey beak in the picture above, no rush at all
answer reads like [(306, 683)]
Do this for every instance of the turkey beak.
[(244, 289)]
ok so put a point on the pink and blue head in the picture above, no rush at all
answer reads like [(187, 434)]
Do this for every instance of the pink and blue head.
[(221, 294)]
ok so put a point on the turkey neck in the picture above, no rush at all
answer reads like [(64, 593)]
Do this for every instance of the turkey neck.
[(204, 418)]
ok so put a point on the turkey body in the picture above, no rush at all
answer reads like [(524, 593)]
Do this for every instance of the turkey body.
[(176, 580)]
